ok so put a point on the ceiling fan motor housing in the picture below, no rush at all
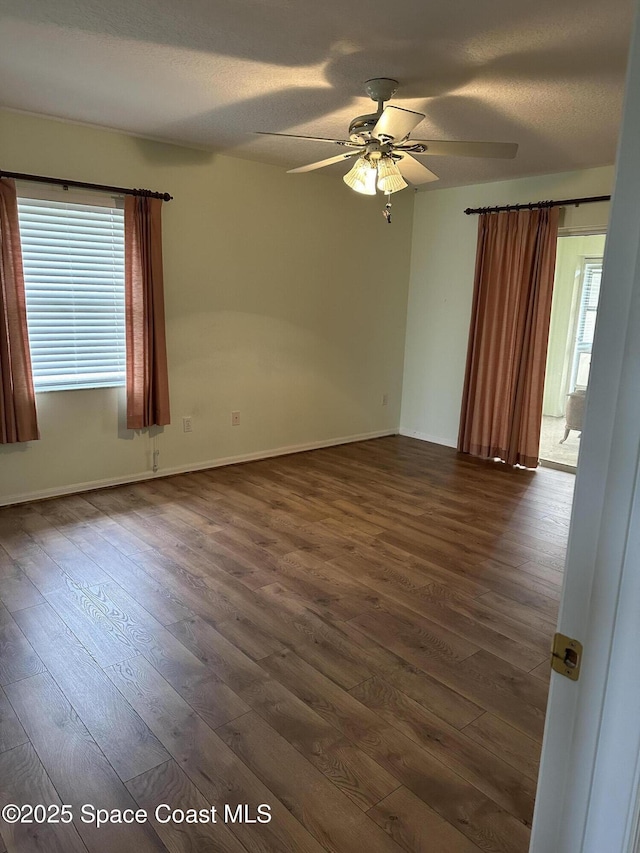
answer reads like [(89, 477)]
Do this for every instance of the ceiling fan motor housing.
[(361, 127)]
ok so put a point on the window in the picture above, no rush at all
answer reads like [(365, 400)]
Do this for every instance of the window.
[(587, 312), (73, 255)]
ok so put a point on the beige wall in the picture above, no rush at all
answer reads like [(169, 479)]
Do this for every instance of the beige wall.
[(285, 296), (441, 287)]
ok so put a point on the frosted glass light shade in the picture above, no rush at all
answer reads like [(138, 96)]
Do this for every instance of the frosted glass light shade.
[(362, 177), (389, 178)]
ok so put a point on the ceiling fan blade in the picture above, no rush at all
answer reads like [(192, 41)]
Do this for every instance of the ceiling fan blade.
[(414, 171), (320, 164), (310, 138), (396, 123), (504, 150)]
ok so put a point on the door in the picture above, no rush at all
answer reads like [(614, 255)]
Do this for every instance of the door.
[(590, 770)]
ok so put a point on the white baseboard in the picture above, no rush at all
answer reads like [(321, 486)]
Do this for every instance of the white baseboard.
[(74, 488), (423, 436)]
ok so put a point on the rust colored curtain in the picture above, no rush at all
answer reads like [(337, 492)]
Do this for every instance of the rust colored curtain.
[(147, 377), (18, 420), (506, 359)]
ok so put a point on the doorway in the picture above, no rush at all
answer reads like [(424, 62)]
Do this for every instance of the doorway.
[(574, 308)]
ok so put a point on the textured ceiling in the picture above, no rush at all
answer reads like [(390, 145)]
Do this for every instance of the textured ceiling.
[(548, 75)]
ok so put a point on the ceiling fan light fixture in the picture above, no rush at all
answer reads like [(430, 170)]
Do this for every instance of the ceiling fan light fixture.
[(362, 177), (389, 178)]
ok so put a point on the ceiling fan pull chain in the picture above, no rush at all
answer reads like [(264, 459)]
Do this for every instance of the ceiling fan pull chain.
[(387, 209)]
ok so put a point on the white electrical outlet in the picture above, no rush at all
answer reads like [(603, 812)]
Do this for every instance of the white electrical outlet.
[(235, 418), (187, 424), (385, 399)]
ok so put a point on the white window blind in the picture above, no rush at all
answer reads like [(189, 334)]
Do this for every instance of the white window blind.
[(73, 257), (586, 322), (589, 303)]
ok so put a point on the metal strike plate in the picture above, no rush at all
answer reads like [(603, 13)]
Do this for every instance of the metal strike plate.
[(566, 656)]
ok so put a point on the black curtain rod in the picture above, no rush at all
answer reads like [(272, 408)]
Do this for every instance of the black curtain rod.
[(535, 204), (39, 179)]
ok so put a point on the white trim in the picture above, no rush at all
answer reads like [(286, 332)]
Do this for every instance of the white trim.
[(74, 488), (584, 230), (588, 787), (423, 436), (635, 848), (632, 834)]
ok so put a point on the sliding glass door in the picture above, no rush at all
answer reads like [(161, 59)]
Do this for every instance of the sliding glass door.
[(573, 316)]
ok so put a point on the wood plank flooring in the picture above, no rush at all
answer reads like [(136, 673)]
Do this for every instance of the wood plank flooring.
[(356, 636)]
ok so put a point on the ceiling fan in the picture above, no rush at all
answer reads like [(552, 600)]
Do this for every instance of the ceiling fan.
[(386, 155)]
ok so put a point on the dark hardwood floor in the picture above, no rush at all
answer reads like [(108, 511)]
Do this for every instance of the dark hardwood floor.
[(356, 636)]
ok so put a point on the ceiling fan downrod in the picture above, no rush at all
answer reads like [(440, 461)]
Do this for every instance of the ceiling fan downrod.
[(380, 90)]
